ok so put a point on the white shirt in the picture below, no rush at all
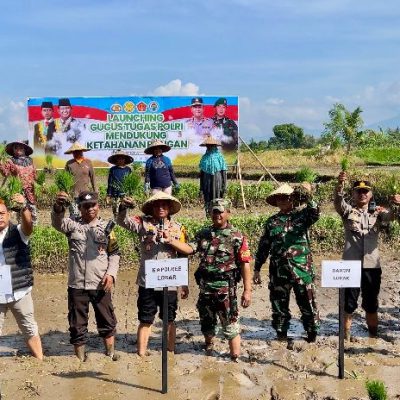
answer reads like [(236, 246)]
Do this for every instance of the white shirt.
[(20, 293)]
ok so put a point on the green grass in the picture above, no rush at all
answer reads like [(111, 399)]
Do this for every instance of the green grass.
[(380, 155), (376, 390)]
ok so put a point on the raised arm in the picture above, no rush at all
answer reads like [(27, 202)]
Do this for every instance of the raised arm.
[(58, 220), (341, 207)]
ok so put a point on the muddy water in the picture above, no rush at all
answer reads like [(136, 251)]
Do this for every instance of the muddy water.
[(303, 371)]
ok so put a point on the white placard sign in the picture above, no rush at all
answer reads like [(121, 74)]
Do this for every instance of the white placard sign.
[(166, 273), (341, 273), (5, 280)]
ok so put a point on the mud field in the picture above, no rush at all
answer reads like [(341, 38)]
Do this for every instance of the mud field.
[(267, 369)]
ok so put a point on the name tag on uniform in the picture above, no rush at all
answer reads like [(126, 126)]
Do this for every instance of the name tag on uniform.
[(5, 280)]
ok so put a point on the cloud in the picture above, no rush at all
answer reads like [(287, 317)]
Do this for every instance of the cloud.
[(13, 120), (176, 88)]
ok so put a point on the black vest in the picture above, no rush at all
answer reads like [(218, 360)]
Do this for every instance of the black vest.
[(18, 257)]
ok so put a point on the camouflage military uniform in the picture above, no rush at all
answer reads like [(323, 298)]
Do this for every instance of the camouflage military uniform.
[(221, 253), (229, 137), (285, 239)]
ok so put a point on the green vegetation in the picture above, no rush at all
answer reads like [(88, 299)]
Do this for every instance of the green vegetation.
[(379, 155), (12, 186), (64, 181), (306, 174), (376, 390)]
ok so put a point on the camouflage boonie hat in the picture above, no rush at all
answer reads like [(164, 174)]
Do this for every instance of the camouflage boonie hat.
[(220, 205)]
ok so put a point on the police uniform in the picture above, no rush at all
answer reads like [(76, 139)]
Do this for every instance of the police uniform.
[(221, 253), (285, 239), (361, 229), (93, 253), (152, 248)]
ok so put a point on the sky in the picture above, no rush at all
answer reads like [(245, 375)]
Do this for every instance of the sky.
[(288, 61)]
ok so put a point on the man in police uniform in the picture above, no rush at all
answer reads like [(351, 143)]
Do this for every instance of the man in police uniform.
[(228, 128), (157, 232), (362, 223), (291, 266), (224, 259), (198, 126), (93, 266)]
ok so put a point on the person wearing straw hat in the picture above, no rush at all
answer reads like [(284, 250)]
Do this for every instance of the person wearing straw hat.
[(92, 271), (159, 173), (20, 165), (285, 240), (153, 228), (82, 170), (363, 221), (212, 172), (116, 175)]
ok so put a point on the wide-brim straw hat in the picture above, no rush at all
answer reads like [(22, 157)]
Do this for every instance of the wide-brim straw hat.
[(113, 158), (284, 190), (76, 147), (157, 143), (10, 148), (175, 204), (209, 141)]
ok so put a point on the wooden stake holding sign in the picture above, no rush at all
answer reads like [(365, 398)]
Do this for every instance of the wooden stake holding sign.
[(164, 274), (341, 274)]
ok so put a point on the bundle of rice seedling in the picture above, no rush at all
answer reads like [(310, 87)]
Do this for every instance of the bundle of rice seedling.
[(345, 164), (64, 181), (49, 162), (41, 178), (376, 390), (3, 154), (12, 186), (306, 174), (130, 184)]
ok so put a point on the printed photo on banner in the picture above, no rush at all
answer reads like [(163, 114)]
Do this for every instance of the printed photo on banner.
[(105, 125)]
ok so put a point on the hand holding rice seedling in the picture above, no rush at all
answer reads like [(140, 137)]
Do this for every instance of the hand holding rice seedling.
[(130, 183), (64, 181), (12, 187), (345, 164)]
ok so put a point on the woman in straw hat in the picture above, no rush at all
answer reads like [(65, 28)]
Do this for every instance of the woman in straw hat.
[(82, 170), (116, 175), (159, 173), (285, 239), (212, 172), (21, 165), (153, 228)]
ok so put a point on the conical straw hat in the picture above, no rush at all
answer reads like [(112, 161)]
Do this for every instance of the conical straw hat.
[(76, 147), (157, 143), (285, 189), (209, 140), (113, 158), (10, 148), (175, 204)]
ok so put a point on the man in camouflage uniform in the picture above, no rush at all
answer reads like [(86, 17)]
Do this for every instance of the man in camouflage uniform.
[(224, 258), (228, 127), (285, 239)]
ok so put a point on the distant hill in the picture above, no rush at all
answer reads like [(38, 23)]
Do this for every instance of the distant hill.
[(387, 123)]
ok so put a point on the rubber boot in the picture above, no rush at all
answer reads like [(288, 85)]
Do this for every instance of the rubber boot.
[(80, 352), (110, 352), (348, 318), (372, 323)]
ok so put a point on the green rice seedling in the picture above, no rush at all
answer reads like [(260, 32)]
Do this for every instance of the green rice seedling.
[(41, 178), (376, 390), (64, 181), (306, 174), (344, 164), (49, 161), (12, 186), (3, 154), (130, 183)]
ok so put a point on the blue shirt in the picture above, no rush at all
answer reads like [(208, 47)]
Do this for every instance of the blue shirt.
[(159, 172), (115, 177)]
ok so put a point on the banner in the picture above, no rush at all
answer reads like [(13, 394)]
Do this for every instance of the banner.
[(105, 125)]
